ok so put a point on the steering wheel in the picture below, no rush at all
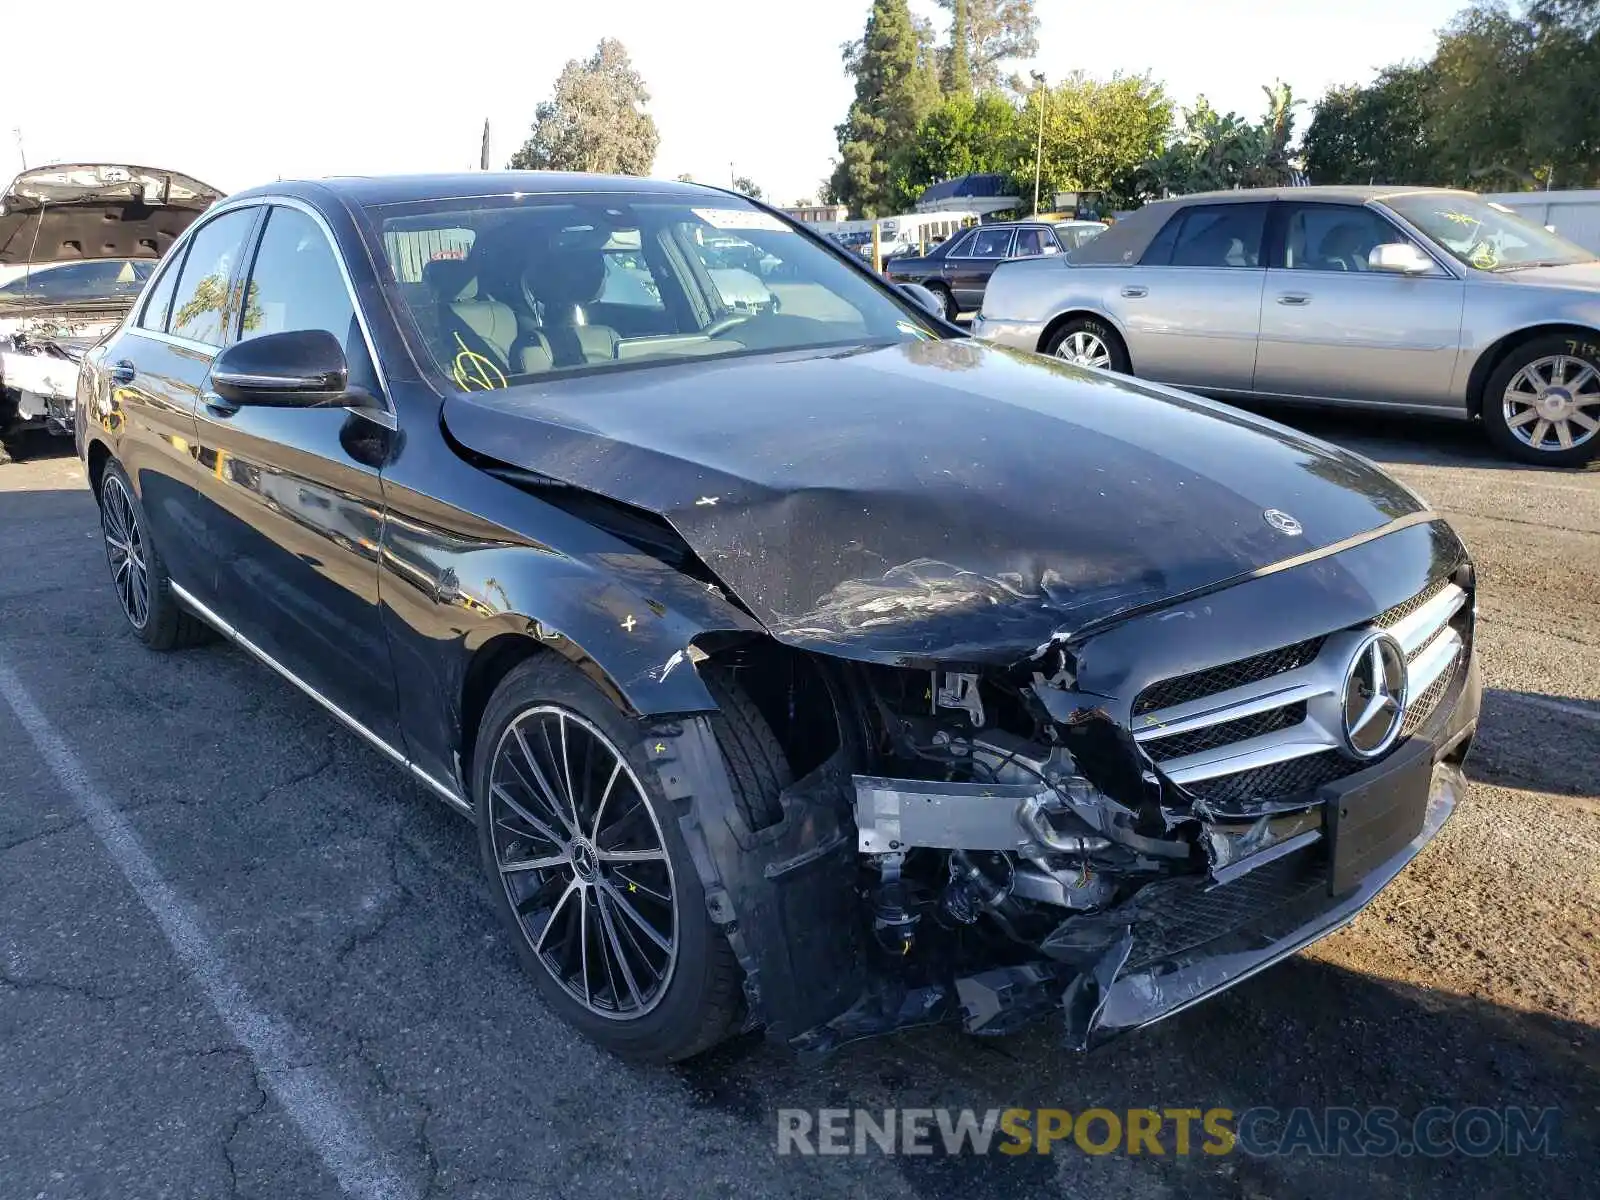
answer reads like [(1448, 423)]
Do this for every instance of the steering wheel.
[(720, 327)]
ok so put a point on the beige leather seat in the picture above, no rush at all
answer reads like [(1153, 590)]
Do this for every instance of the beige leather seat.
[(478, 324)]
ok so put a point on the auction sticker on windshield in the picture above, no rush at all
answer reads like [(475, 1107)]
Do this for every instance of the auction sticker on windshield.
[(740, 218)]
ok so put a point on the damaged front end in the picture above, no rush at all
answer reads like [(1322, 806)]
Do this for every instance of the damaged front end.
[(39, 359), (986, 846)]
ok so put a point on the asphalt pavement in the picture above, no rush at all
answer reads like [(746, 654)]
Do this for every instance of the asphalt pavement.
[(241, 955)]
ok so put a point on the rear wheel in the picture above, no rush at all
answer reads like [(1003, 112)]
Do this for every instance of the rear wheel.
[(589, 870), (1089, 342), (138, 574), (951, 312), (1542, 404)]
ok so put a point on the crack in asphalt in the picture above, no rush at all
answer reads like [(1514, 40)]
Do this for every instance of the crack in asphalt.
[(421, 1140), (305, 776), (70, 823)]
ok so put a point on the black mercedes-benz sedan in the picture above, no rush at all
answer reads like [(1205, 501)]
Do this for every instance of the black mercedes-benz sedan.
[(803, 663)]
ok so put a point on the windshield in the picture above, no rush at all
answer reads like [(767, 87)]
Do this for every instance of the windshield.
[(507, 289), (1483, 235)]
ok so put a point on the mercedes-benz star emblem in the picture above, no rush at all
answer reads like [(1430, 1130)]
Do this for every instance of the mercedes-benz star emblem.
[(1282, 521), (1374, 696)]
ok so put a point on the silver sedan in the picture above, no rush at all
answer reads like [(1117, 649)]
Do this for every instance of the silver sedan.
[(1420, 300)]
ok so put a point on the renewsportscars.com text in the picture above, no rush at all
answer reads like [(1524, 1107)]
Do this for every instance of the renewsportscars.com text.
[(1261, 1132)]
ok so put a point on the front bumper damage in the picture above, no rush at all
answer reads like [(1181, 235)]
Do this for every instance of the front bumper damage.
[(833, 950)]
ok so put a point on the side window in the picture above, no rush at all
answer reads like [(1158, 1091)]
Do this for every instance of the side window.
[(203, 303), (1029, 243), (1052, 244), (989, 243), (962, 244), (1333, 237), (1210, 235), (159, 303), (295, 282)]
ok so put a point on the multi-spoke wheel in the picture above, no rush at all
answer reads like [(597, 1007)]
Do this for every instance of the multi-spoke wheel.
[(138, 574), (130, 573), (588, 866), (1088, 342), (1543, 403), (583, 863)]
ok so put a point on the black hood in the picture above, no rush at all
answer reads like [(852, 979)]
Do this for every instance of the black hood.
[(939, 500), (97, 210)]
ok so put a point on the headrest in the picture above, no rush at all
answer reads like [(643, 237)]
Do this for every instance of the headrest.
[(451, 279), (567, 275)]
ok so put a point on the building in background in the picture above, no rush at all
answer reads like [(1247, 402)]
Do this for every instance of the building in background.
[(817, 214)]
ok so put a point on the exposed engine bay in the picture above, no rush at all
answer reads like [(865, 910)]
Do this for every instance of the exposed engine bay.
[(39, 357)]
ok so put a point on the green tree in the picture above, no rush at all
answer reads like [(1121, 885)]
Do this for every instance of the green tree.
[(1096, 134), (998, 32), (964, 135), (896, 86), (958, 57), (595, 121), (746, 186), (1374, 134)]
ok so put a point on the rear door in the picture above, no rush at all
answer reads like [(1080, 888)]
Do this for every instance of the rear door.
[(1333, 328), (1191, 310), (157, 369), (291, 495), (967, 270)]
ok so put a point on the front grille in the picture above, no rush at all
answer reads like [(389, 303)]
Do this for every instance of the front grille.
[(1391, 617), (1207, 914), (1277, 780), (1227, 732), (1422, 706), (1182, 688)]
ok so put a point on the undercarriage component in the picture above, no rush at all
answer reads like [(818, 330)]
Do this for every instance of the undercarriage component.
[(979, 883)]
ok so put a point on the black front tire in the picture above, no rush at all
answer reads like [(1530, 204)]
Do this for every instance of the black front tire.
[(1575, 352), (160, 623), (951, 312), (702, 1002)]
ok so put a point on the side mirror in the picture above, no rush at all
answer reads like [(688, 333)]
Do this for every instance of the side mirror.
[(304, 368), (1400, 258), (923, 298)]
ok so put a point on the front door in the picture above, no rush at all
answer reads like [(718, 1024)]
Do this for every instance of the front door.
[(967, 270), (1191, 310), (1333, 328), (292, 495), (159, 367)]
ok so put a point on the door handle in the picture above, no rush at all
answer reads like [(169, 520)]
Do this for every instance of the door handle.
[(1133, 291), (1294, 298), (123, 371)]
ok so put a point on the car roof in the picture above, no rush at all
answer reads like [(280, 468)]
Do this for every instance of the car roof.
[(365, 190), (1350, 193)]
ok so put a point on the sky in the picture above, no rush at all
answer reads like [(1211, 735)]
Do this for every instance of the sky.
[(301, 89)]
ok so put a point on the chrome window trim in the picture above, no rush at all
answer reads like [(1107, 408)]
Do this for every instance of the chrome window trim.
[(172, 339), (444, 791)]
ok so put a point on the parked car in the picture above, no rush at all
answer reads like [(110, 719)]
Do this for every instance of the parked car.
[(958, 269), (1421, 300), (77, 242), (816, 668)]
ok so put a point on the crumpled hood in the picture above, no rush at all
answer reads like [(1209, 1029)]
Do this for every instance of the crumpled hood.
[(97, 210), (934, 501)]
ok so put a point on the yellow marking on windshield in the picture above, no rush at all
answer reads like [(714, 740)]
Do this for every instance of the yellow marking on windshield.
[(471, 371)]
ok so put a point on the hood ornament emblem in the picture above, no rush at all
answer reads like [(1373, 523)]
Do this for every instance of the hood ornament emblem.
[(1282, 522)]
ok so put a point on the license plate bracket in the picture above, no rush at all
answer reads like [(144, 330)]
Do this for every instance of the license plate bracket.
[(1371, 821)]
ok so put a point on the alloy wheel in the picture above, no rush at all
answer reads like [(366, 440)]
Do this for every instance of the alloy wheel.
[(125, 551), (1084, 349), (1553, 403), (585, 868)]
